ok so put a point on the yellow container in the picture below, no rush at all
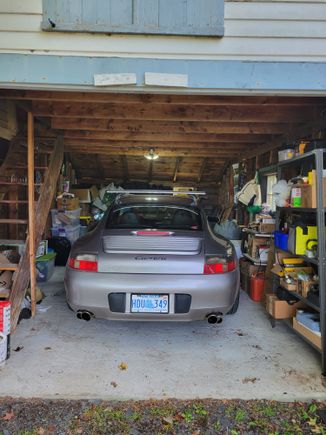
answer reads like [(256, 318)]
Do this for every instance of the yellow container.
[(298, 237)]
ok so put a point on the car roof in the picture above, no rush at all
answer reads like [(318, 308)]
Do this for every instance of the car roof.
[(174, 200)]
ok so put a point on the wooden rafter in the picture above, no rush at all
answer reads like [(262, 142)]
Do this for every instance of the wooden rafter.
[(176, 168), (202, 169), (124, 162), (113, 97), (250, 113), (164, 137)]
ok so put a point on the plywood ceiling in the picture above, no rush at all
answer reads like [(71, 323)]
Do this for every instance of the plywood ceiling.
[(107, 134)]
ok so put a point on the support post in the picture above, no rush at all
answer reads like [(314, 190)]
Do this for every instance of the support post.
[(31, 208)]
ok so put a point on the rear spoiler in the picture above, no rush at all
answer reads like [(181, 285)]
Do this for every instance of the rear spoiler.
[(191, 193)]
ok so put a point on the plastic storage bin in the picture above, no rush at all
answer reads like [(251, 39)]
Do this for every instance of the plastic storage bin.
[(71, 233), (285, 154), (45, 267), (281, 240), (62, 218)]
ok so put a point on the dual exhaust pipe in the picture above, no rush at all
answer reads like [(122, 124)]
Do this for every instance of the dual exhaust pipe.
[(214, 318), (85, 315), (211, 318)]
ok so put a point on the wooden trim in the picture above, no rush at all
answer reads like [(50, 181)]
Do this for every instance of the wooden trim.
[(31, 209)]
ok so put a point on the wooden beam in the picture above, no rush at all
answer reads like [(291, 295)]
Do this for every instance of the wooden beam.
[(124, 162), (202, 170), (144, 126), (164, 152), (176, 168), (93, 144), (99, 164), (164, 137), (121, 98), (31, 209), (250, 113)]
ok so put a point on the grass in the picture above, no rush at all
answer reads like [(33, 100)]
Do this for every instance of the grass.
[(230, 417)]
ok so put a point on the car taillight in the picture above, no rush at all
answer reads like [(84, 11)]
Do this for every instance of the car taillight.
[(215, 265), (85, 262)]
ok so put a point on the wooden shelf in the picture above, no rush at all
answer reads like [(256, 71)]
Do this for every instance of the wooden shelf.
[(14, 221), (9, 242)]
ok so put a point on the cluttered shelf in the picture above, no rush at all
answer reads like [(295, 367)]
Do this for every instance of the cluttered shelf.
[(304, 257), (299, 209), (303, 299), (298, 159)]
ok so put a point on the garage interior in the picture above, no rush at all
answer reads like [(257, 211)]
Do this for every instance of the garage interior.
[(216, 144)]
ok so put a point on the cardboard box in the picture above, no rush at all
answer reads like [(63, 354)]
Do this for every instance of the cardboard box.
[(68, 203), (304, 287), (306, 332), (84, 195), (292, 287), (254, 243), (314, 190), (266, 228), (282, 310)]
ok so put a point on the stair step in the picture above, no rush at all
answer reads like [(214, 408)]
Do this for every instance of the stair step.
[(8, 266), (12, 242), (13, 201), (13, 221), (18, 184), (24, 167)]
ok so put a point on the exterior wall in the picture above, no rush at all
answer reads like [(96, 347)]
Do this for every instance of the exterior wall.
[(255, 31)]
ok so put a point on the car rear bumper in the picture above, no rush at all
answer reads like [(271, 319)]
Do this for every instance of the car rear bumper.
[(209, 293)]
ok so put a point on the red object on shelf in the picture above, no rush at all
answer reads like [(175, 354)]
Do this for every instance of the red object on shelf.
[(257, 282)]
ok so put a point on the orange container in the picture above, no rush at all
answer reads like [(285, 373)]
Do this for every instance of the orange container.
[(257, 282)]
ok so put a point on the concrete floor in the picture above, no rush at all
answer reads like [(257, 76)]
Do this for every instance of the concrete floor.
[(63, 357)]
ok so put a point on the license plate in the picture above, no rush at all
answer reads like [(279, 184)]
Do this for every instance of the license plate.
[(149, 303)]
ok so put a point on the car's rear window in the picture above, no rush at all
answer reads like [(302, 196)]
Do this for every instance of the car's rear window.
[(154, 216)]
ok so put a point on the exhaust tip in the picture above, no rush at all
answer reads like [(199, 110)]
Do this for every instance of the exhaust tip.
[(214, 318), (84, 315)]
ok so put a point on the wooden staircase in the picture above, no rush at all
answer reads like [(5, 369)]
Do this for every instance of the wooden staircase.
[(28, 178)]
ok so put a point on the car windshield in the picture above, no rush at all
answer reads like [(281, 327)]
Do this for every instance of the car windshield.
[(155, 216)]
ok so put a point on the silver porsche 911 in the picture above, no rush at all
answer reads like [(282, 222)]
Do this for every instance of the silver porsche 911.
[(153, 256)]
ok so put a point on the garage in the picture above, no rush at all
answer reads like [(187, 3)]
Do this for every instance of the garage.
[(162, 217), (215, 144)]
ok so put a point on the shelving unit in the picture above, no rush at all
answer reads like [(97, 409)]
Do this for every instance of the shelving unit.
[(316, 157)]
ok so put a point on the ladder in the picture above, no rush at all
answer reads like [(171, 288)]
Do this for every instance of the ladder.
[(28, 178)]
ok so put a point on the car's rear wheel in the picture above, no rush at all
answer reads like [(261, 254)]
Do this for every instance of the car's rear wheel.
[(235, 306)]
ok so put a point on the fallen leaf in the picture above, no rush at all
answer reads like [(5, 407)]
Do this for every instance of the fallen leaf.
[(123, 366), (41, 431), (8, 416), (167, 420), (18, 348), (114, 384)]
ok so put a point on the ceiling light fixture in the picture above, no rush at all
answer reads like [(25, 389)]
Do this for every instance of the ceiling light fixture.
[(151, 155)]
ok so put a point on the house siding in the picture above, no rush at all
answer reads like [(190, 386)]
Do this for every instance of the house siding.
[(254, 31)]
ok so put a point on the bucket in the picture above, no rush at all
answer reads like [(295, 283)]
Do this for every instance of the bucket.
[(257, 282), (3, 349)]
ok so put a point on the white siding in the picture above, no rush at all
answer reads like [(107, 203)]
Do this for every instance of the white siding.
[(254, 30)]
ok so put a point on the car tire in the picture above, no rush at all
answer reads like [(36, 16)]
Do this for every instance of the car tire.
[(235, 306)]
